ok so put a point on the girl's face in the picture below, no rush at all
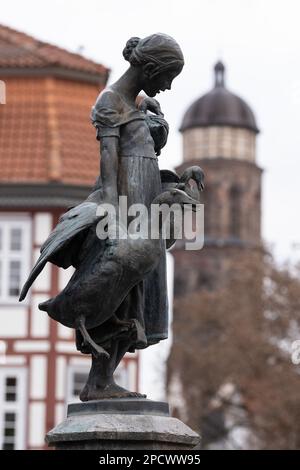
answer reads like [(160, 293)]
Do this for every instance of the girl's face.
[(161, 81)]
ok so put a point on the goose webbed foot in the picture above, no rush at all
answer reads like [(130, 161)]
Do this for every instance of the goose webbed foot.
[(134, 328), (124, 325), (96, 350)]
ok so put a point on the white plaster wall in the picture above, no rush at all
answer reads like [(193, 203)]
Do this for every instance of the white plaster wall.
[(64, 276), (64, 332), (61, 377), (6, 360), (38, 377), (42, 227), (81, 361), (39, 320), (60, 413), (66, 347), (43, 281), (31, 346), (13, 322), (37, 415)]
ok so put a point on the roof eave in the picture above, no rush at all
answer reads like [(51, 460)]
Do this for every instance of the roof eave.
[(58, 72), (47, 194)]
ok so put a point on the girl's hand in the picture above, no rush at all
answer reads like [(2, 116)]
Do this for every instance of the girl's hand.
[(150, 104)]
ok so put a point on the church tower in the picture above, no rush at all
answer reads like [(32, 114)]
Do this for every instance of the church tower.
[(219, 133)]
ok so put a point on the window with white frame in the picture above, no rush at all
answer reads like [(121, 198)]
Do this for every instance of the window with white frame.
[(15, 250), (78, 375), (12, 410)]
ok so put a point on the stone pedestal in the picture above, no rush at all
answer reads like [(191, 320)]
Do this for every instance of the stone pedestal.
[(121, 424)]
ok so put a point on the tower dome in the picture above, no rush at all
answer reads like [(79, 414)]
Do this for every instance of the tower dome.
[(219, 124), (219, 107)]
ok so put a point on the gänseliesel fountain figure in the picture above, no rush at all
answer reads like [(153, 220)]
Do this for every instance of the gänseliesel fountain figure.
[(116, 300)]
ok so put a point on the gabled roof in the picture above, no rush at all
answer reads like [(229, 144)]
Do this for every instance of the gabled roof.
[(21, 51), (46, 135)]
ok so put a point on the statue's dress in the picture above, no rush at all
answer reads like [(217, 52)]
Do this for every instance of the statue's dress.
[(139, 180)]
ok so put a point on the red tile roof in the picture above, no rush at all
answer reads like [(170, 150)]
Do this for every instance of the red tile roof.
[(45, 129), (18, 50)]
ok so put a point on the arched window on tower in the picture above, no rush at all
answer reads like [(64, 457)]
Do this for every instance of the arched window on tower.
[(235, 214)]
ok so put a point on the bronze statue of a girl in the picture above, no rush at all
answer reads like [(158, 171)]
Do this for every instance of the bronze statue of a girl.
[(117, 297)]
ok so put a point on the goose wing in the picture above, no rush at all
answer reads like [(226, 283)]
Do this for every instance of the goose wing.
[(70, 225)]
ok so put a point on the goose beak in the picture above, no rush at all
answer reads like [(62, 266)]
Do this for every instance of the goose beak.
[(199, 179), (201, 185)]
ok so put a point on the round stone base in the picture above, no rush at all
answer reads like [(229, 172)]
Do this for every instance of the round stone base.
[(122, 424)]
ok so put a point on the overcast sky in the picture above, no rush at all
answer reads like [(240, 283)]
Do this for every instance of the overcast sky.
[(259, 42)]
